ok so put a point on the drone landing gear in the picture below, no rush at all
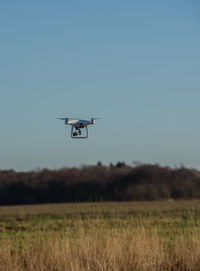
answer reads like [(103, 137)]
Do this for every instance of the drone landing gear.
[(77, 132)]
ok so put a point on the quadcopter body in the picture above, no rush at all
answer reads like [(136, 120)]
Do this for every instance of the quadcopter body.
[(77, 125)]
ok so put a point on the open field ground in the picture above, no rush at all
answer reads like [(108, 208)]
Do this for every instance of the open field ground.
[(101, 236)]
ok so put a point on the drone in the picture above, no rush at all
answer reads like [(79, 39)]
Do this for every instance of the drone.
[(77, 125)]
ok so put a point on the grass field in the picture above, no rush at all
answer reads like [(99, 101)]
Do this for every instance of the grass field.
[(101, 236)]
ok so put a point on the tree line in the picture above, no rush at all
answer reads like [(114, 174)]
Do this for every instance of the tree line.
[(99, 183)]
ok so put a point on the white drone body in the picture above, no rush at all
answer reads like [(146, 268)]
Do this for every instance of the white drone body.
[(77, 125)]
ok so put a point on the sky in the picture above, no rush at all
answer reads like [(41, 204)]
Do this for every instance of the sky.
[(133, 64)]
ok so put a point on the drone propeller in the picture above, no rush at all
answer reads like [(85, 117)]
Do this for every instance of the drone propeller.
[(62, 118), (93, 120)]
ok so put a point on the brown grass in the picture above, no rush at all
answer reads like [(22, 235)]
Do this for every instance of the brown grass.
[(127, 250), (136, 242)]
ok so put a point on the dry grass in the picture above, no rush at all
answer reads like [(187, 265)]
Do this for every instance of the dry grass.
[(114, 240), (128, 251)]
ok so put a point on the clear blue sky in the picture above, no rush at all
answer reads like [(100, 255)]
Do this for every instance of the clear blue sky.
[(134, 64)]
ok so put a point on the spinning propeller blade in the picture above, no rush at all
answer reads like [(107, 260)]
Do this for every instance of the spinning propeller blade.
[(62, 118)]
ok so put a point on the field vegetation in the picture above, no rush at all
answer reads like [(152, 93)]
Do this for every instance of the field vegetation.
[(109, 236)]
